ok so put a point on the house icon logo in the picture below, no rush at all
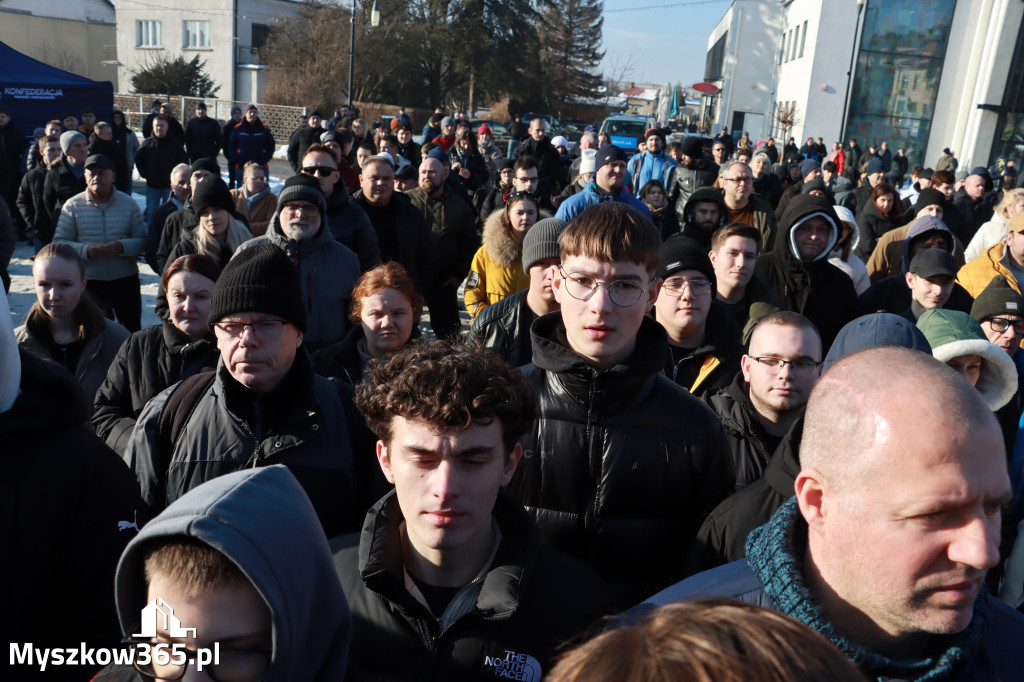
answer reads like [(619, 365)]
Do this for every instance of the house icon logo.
[(152, 614)]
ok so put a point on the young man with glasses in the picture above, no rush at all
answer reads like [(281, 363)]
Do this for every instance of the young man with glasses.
[(999, 309), (703, 340), (742, 205), (245, 573), (345, 219), (263, 405), (622, 464)]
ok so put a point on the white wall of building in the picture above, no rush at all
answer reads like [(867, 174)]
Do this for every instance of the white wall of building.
[(221, 54), (748, 69), (977, 64)]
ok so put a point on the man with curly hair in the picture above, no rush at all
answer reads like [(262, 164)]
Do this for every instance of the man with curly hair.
[(448, 574)]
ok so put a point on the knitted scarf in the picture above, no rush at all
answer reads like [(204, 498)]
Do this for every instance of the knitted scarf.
[(775, 553)]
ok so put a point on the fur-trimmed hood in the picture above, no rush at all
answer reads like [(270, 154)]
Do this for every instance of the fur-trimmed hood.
[(502, 246)]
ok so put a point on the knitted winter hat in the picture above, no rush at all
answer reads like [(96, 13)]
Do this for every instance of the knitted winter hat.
[(484, 128), (693, 147), (929, 196), (303, 188), (608, 154), (67, 138), (541, 242), (259, 279), (808, 166), (588, 158), (685, 253), (212, 192), (953, 334), (875, 165), (447, 121), (998, 298), (207, 163)]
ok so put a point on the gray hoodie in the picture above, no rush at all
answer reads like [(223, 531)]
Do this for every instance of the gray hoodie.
[(262, 520)]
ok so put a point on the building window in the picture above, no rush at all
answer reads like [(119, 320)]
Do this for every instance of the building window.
[(782, 52), (147, 34), (197, 34), (803, 39)]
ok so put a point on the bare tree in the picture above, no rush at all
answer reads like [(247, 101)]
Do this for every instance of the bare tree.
[(786, 116)]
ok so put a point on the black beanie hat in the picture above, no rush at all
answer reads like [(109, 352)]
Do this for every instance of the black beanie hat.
[(259, 279), (303, 187), (212, 191), (929, 196), (998, 298), (693, 147), (685, 253), (207, 163), (608, 154)]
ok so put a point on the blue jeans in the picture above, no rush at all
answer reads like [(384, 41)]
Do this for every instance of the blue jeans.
[(155, 197)]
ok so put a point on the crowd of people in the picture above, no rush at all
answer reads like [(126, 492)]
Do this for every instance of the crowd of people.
[(707, 410)]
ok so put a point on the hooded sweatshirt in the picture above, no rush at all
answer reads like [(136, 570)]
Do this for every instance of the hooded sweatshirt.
[(816, 289), (263, 522), (692, 229)]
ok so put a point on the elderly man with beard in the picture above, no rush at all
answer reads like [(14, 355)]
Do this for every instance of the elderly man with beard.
[(328, 270)]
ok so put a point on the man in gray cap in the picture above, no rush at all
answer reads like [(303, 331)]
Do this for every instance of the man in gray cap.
[(504, 327), (263, 405), (930, 280), (105, 226), (67, 178), (327, 268)]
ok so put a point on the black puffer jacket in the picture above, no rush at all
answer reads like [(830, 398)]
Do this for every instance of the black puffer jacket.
[(157, 157), (817, 290), (715, 362), (71, 506), (176, 226), (504, 328), (59, 186), (471, 160), (871, 225), (622, 465), (350, 225), (723, 537), (505, 625), (148, 362), (745, 435)]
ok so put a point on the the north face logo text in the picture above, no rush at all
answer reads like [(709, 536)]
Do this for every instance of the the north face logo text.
[(514, 667)]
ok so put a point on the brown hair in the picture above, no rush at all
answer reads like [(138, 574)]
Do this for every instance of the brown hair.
[(88, 317), (787, 318), (191, 565), (193, 262), (612, 231), (942, 177), (710, 640), (389, 275), (448, 384), (735, 230), (880, 191)]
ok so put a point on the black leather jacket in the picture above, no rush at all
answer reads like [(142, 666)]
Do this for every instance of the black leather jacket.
[(504, 328)]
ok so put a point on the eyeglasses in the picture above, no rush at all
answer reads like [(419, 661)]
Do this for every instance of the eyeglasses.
[(522, 179), (322, 171), (520, 194), (774, 365), (171, 662), (740, 180), (623, 293), (1001, 324), (676, 286), (265, 329)]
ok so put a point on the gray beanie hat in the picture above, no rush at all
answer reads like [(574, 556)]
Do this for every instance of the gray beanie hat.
[(67, 138), (303, 188), (541, 241), (447, 121)]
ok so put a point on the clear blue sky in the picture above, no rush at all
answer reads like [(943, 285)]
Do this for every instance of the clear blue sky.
[(665, 41)]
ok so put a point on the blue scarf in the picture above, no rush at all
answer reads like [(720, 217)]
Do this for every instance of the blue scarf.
[(249, 201), (775, 553)]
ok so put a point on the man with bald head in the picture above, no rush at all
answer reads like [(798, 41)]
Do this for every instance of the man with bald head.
[(894, 523)]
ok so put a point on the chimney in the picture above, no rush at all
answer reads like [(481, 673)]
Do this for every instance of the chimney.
[(631, 86)]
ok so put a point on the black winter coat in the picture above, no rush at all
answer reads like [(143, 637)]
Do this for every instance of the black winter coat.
[(715, 362), (471, 160), (110, 149), (157, 157), (32, 206), (350, 225), (723, 537), (71, 505), (151, 360), (301, 140), (817, 290), (683, 182), (549, 164), (504, 328), (176, 226), (666, 220), (871, 225), (506, 625), (411, 244), (203, 138), (59, 186), (622, 465)]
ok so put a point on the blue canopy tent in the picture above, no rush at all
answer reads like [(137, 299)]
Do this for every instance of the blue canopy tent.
[(35, 92)]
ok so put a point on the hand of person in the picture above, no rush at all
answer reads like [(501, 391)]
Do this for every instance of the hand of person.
[(464, 173), (115, 248), (95, 251)]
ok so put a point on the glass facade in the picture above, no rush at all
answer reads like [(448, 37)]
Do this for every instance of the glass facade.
[(1009, 142), (896, 78)]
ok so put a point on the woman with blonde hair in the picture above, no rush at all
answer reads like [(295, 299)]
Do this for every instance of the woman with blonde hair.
[(994, 230), (65, 324), (219, 231)]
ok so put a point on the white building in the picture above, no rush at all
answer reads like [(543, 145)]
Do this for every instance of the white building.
[(921, 74), (226, 34)]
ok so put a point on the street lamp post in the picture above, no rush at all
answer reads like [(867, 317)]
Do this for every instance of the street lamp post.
[(375, 22)]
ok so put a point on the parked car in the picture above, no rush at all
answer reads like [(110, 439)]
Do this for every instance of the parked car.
[(624, 129), (499, 132)]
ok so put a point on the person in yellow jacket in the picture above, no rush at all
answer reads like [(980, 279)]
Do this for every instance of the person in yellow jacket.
[(497, 270), (1005, 257)]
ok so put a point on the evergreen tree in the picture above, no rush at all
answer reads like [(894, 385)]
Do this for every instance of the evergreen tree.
[(571, 33), (175, 77)]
